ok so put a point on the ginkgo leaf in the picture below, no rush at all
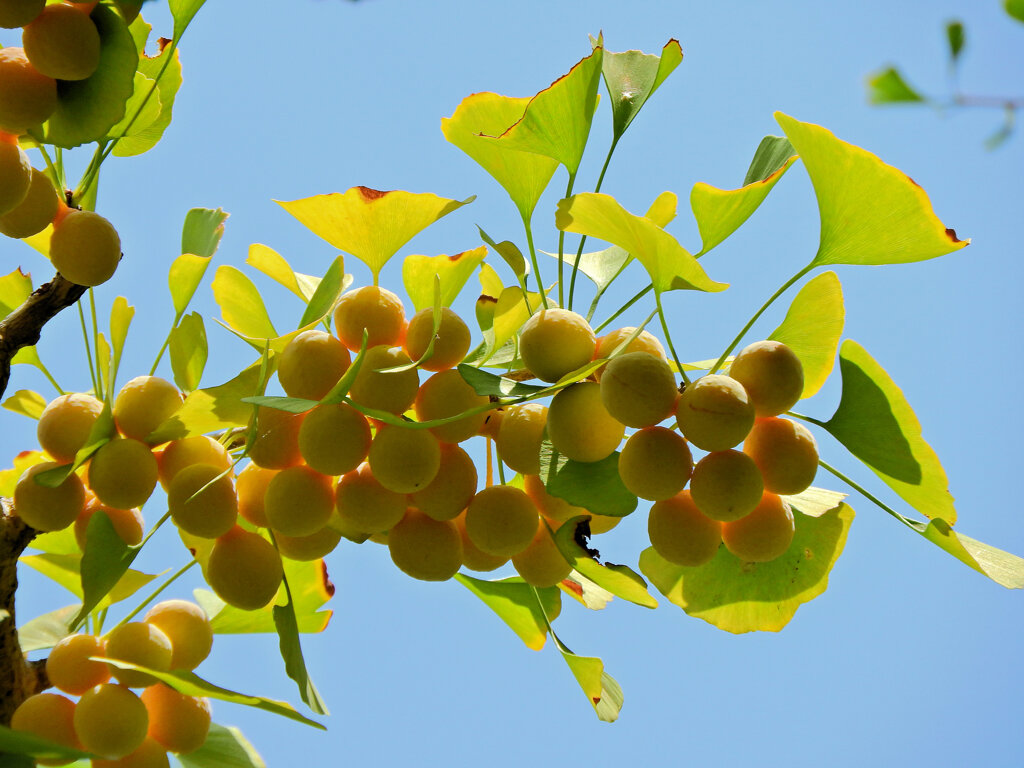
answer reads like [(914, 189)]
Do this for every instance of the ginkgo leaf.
[(454, 271), (632, 77)]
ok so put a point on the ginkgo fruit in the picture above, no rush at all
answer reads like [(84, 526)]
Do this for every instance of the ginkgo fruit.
[(49, 716), (473, 557), (645, 341), (111, 721), (542, 563), (655, 463), (681, 533), (18, 13), (772, 375), (424, 548), (404, 460), (33, 214), (554, 342), (579, 425), (251, 488), (726, 485), (365, 504), (178, 722), (62, 43), (638, 389), (45, 508), (202, 501), (373, 309), (15, 174), (520, 436), (452, 488), (763, 535), (123, 473), (451, 342), (27, 97), (149, 754), (310, 547), (393, 392), (69, 667), (128, 523), (143, 404), (141, 643), (187, 627), (311, 364), (276, 441), (446, 394), (501, 520), (785, 452), (299, 501), (557, 510), (198, 449), (84, 247), (715, 412), (244, 569), (65, 423)]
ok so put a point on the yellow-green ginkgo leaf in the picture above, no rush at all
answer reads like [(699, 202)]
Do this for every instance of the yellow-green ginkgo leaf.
[(670, 266), (241, 304), (276, 267), (516, 603), (812, 328), (557, 120), (756, 597), (871, 212), (15, 287), (632, 77), (418, 273), (524, 175), (370, 224), (720, 212)]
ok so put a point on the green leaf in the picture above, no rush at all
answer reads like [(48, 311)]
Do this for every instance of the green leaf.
[(490, 384), (212, 408), (418, 273), (812, 328), (621, 580), (47, 630), (1015, 8), (183, 12), (593, 485), (887, 86), (1002, 567), (955, 38), (743, 597), (202, 231), (223, 748), (523, 175), (720, 212), (876, 424), (26, 402), (632, 77), (141, 110), (670, 266), (62, 542), (121, 314), (510, 253), (871, 213), (241, 304), (22, 743), (815, 502), (66, 571), (326, 293), (15, 287), (88, 109), (190, 684), (27, 356), (189, 350), (291, 652), (516, 604), (104, 562), (276, 267), (103, 429), (556, 122), (370, 224), (184, 277)]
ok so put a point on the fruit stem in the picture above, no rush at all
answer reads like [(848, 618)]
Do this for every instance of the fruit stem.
[(668, 339), (583, 239), (533, 259), (100, 393), (561, 246), (88, 349), (153, 595), (51, 171), (501, 470), (867, 495), (750, 323), (623, 308)]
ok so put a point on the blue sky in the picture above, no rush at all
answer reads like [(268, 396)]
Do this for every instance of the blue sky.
[(909, 658)]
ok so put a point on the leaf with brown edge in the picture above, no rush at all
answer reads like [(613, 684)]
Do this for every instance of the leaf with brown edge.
[(368, 223), (454, 271), (619, 580), (871, 212)]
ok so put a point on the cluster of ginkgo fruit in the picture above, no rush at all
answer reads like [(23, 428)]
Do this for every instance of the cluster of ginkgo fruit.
[(60, 44), (110, 720)]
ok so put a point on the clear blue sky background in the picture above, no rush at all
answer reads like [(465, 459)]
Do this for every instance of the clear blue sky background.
[(910, 658)]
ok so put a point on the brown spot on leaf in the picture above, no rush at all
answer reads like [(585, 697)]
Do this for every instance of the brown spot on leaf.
[(951, 234), (325, 579), (913, 182), (487, 299), (597, 700), (808, 554), (574, 587), (457, 256), (162, 43), (369, 195)]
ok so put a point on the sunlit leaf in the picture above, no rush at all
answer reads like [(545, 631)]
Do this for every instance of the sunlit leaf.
[(888, 87), (26, 402), (515, 603), (88, 109), (593, 485), (585, 592), (189, 350), (747, 597), (104, 562), (523, 175), (621, 580), (370, 224), (812, 328), (121, 314), (276, 267), (418, 273), (212, 408), (62, 542), (511, 311), (183, 12), (65, 570), (632, 77), (14, 743), (202, 231), (720, 212), (510, 253), (223, 748), (670, 266), (557, 120), (876, 424), (186, 273), (326, 294), (141, 110), (15, 287), (490, 281), (1002, 567), (9, 477), (47, 630), (871, 213), (815, 502), (241, 304), (291, 652)]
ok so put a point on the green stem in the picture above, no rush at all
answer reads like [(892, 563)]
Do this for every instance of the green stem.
[(60, 168), (561, 244), (501, 470), (867, 495), (96, 341), (750, 323), (810, 419), (88, 350), (583, 239), (101, 619), (51, 171), (668, 338), (533, 260), (153, 595), (49, 377), (623, 308)]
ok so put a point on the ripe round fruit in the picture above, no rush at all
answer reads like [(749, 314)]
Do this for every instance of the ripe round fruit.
[(450, 345), (111, 721), (84, 247), (554, 342), (140, 643), (68, 666), (644, 342), (726, 485), (188, 629), (307, 548), (276, 444), (49, 716), (311, 364), (150, 754), (365, 504), (501, 520), (715, 413), (251, 487), (143, 404), (65, 424), (424, 548), (638, 389), (35, 212), (681, 533), (764, 534), (48, 509), (244, 569), (446, 394), (18, 13), (579, 425), (374, 309), (557, 510), (15, 176), (520, 436), (452, 488), (299, 501), (62, 43), (199, 449), (128, 523), (123, 473), (772, 375), (202, 501), (27, 97), (785, 452), (392, 392), (334, 438), (473, 557), (404, 460), (178, 722), (655, 463), (542, 563)]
